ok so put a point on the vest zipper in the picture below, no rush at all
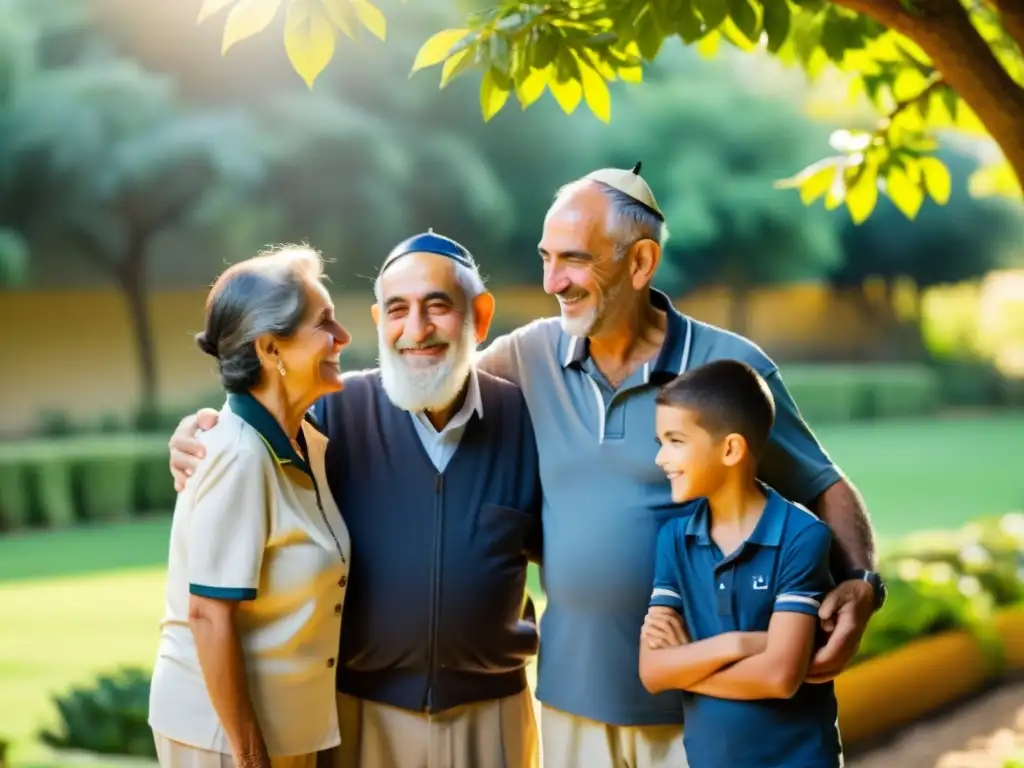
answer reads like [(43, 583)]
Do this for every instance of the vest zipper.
[(435, 595)]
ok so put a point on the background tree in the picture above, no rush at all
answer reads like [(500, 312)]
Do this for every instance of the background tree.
[(99, 158), (924, 64), (943, 248)]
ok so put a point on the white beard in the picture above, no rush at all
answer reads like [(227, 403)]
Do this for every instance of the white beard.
[(580, 326), (590, 323), (427, 385)]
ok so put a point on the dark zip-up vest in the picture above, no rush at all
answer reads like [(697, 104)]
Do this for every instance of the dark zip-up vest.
[(433, 616)]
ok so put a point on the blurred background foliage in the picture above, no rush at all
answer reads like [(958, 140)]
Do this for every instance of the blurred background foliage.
[(136, 162)]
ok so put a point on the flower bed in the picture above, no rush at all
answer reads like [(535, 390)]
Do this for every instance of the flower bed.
[(954, 620)]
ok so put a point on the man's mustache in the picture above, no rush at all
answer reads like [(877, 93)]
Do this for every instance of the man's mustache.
[(426, 344), (572, 293)]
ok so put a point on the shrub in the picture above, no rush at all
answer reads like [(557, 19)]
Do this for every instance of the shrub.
[(109, 718), (93, 477), (946, 580), (828, 393)]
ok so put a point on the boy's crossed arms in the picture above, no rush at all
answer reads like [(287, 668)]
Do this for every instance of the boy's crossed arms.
[(732, 665)]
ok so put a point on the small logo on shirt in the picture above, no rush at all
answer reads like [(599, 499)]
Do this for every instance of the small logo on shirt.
[(760, 584)]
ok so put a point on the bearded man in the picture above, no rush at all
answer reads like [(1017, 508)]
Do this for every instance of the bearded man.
[(434, 466)]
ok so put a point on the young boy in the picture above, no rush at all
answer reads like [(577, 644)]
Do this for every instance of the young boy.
[(733, 616)]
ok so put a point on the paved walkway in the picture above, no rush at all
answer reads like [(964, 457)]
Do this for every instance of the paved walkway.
[(982, 733)]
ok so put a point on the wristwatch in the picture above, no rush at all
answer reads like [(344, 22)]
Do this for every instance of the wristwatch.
[(875, 580)]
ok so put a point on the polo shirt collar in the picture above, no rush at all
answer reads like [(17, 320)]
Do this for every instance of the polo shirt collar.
[(252, 412), (767, 532), (675, 349), (472, 404)]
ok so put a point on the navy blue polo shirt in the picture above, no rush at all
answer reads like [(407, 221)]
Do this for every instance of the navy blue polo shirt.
[(782, 566)]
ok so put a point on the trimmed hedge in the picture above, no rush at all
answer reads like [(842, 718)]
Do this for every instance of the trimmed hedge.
[(60, 481), (102, 470), (848, 393)]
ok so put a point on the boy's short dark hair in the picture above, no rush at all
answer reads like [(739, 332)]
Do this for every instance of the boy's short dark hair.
[(728, 396)]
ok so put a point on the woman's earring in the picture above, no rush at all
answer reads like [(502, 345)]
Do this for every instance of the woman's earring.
[(280, 366)]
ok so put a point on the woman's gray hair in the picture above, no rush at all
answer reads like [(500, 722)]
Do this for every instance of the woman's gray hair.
[(629, 221), (264, 294)]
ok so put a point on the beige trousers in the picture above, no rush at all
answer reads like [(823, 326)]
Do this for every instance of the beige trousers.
[(501, 733), (575, 742), (174, 754)]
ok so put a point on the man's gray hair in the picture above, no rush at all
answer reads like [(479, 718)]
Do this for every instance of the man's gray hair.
[(264, 294), (469, 278), (628, 219)]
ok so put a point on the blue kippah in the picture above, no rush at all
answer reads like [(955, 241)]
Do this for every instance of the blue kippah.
[(430, 242)]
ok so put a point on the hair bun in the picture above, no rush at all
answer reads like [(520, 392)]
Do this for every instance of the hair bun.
[(205, 344)]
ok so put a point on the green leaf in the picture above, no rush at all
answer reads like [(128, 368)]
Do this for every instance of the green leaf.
[(688, 24), (545, 50), (308, 39), (936, 179), (596, 94), (492, 98), (708, 45), (371, 17), (211, 7), (834, 36), (649, 36), (343, 15), (744, 16), (714, 12), (454, 66), (777, 17), (532, 87), (862, 197), (814, 180), (248, 18), (904, 193), (952, 100), (567, 93)]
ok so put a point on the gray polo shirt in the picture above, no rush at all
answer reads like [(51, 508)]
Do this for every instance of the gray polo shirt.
[(604, 500)]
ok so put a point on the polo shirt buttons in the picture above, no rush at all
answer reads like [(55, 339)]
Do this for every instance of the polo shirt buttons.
[(343, 581), (337, 610), (330, 663)]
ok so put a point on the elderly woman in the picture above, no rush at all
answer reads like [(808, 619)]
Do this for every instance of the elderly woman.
[(259, 552)]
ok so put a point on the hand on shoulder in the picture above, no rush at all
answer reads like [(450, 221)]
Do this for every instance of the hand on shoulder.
[(186, 450)]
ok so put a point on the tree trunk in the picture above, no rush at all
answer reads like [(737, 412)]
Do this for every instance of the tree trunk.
[(132, 275), (944, 31)]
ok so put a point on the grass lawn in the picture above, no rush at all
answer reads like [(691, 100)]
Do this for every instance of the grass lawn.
[(79, 602)]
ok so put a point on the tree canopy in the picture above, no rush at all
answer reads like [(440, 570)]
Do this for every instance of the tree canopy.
[(925, 65)]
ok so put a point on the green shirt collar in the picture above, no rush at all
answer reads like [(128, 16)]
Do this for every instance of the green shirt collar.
[(252, 412)]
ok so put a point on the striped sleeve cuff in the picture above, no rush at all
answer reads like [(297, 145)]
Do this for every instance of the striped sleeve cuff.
[(797, 603), (667, 598), (222, 593)]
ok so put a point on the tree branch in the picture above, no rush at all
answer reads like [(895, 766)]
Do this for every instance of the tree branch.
[(944, 31), (936, 82)]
